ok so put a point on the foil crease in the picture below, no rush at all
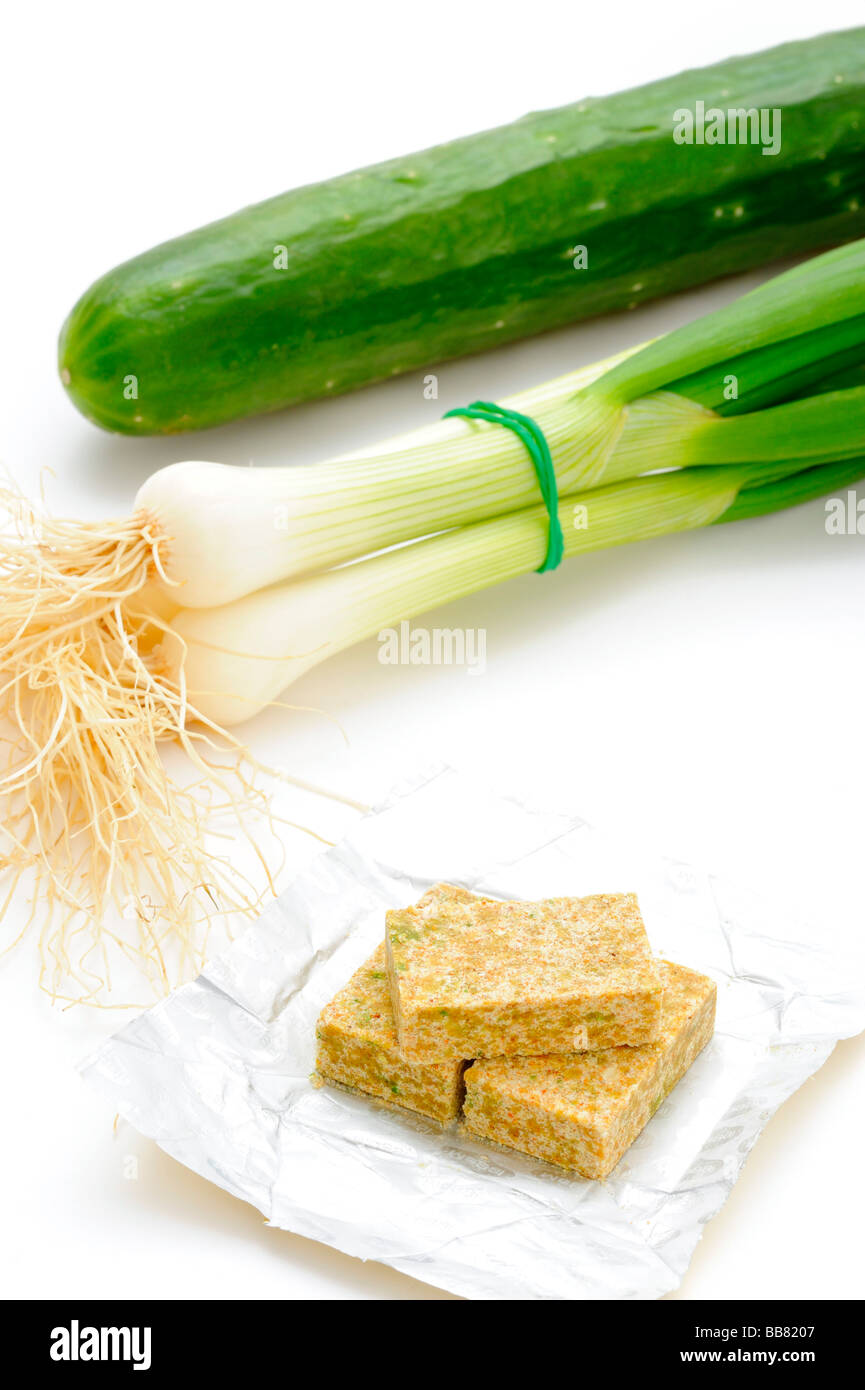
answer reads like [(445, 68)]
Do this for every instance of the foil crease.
[(218, 1073)]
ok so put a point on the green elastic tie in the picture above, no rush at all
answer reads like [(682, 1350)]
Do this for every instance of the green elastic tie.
[(532, 436)]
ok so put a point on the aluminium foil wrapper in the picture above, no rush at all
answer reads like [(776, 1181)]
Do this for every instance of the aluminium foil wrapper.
[(218, 1074)]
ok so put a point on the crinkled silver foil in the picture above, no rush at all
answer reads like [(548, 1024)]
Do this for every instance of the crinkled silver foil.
[(218, 1074)]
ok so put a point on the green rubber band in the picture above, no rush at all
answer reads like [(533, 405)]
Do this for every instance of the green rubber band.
[(531, 434)]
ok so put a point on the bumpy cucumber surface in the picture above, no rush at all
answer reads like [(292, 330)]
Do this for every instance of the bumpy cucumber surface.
[(471, 244)]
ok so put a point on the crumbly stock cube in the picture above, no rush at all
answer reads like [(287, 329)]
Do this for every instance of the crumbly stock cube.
[(583, 1111), (357, 1045), (470, 977)]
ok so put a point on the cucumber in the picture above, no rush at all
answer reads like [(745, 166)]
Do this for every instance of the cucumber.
[(472, 244)]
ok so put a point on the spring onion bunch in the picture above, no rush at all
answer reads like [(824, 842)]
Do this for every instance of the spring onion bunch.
[(226, 584), (238, 658)]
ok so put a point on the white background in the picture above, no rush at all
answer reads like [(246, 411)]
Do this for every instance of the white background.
[(704, 691)]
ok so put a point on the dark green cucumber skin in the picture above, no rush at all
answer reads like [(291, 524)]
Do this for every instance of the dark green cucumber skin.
[(469, 245)]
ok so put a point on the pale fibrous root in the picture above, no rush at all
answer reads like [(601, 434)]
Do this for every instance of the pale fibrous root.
[(112, 851)]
